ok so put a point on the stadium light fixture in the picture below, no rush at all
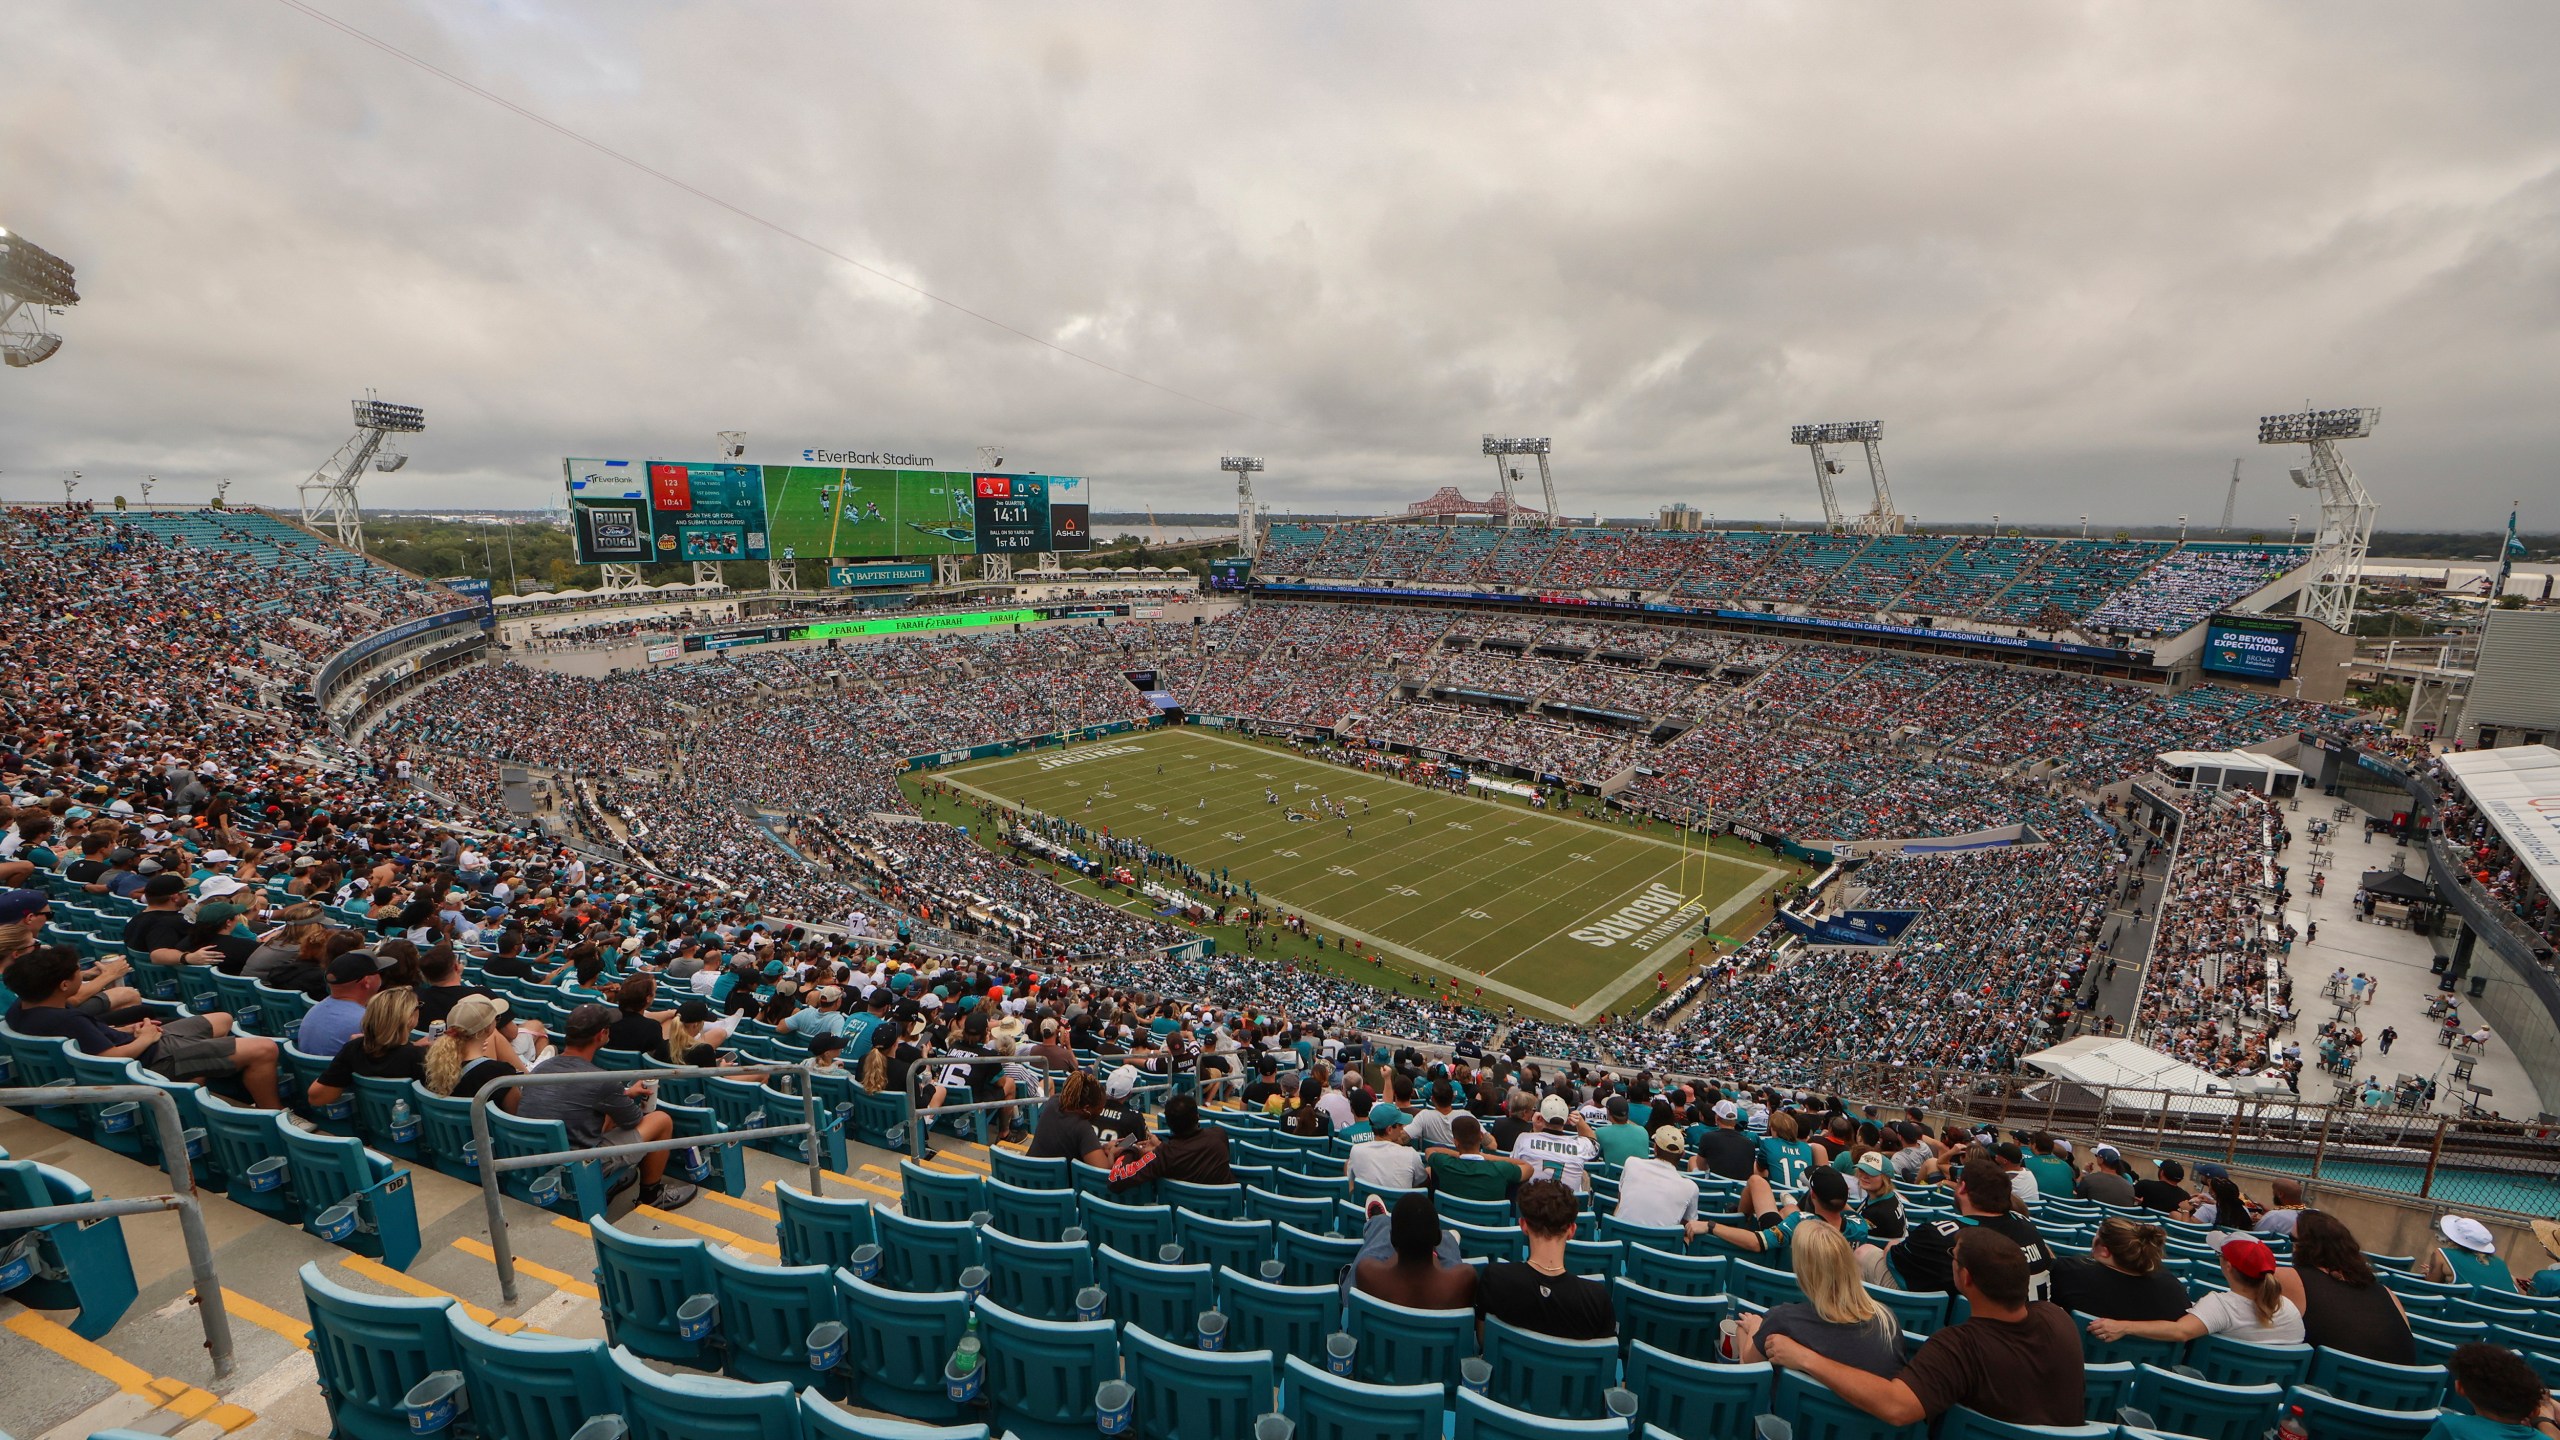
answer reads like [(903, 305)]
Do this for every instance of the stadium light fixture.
[(70, 486), (2293, 529), (1244, 467), (35, 284), (2182, 529), (2084, 527), (1995, 524)]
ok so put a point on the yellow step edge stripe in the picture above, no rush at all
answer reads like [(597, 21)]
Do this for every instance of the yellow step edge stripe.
[(734, 1203), (266, 1318), (381, 1274), (574, 1227), (123, 1374), (709, 1232), (228, 1418), (556, 1279), (883, 1191)]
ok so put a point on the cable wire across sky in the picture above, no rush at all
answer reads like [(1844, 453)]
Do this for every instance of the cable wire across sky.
[(502, 102)]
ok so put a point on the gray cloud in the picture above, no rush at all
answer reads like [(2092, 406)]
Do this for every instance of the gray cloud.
[(2067, 253)]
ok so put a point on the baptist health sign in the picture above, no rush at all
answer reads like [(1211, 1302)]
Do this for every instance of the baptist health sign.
[(850, 577)]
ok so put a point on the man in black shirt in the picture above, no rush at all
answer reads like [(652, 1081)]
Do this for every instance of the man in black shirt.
[(1264, 1085), (1543, 1295), (1725, 1150), (1118, 1118), (160, 934), (2166, 1193), (441, 969), (1925, 1260)]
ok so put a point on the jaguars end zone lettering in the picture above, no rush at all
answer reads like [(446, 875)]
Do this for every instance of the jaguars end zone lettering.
[(1635, 917)]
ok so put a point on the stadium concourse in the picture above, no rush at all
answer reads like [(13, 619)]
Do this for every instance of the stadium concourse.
[(210, 899)]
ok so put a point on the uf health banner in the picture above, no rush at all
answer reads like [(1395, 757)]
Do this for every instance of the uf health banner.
[(1851, 927)]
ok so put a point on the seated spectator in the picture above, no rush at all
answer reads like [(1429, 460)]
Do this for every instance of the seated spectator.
[(1385, 1161), (2167, 1192), (634, 1029), (604, 1111), (1728, 1151), (1406, 1258), (2109, 1182), (2280, 1217), (2344, 1307), (1837, 1319), (474, 1050), (1879, 1204), (1469, 1169), (2468, 1256), (1541, 1294), (281, 945), (2507, 1398), (1655, 1189), (1189, 1150), (1562, 1145), (1770, 1223), (2221, 1205), (382, 1048), (441, 986), (1066, 1128), (354, 979), (1307, 1115), (2254, 1308), (2546, 1281), (192, 1047), (2120, 1278), (1620, 1140), (2050, 1165), (162, 933), (1925, 1258), (2013, 1359)]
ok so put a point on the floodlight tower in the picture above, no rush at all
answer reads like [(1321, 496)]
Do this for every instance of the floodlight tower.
[(329, 496), (35, 284), (1499, 446), (2230, 497), (2346, 508), (1881, 520), (1244, 467)]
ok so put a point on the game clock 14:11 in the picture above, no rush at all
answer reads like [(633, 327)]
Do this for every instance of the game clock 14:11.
[(1011, 514)]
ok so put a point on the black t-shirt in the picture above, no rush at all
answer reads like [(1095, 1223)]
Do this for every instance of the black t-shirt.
[(2027, 1372), (477, 1075), (157, 930), (435, 1002), (1885, 1218), (400, 1062), (513, 967), (1259, 1092), (1062, 1134), (84, 871), (1506, 1130), (1568, 1307), (1728, 1152), (1121, 1120), (2083, 1284), (1925, 1260), (633, 1032), (2159, 1194)]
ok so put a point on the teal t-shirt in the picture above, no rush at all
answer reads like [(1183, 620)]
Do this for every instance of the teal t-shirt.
[(2450, 1426), (1789, 1163), (2545, 1283), (1621, 1143)]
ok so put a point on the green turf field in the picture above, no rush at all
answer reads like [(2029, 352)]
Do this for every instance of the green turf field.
[(1549, 910)]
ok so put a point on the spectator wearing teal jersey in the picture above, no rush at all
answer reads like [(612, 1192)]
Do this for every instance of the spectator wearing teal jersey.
[(1622, 1139), (1785, 1159), (2546, 1281), (1770, 1227), (2469, 1256), (2053, 1172)]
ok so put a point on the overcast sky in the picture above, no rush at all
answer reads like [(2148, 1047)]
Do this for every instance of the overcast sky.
[(2068, 254)]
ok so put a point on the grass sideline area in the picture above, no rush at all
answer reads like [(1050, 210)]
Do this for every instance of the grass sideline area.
[(1555, 911)]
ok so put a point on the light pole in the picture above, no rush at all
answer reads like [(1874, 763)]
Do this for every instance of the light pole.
[(2182, 529), (148, 481), (2084, 527), (70, 484), (2293, 529), (1995, 524)]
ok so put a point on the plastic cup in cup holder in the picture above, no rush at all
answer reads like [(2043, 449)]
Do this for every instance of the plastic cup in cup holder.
[(603, 1427), (973, 1281), (1213, 1330), (435, 1402), (1169, 1254), (866, 1262), (1091, 1303), (1273, 1271), (119, 1119), (697, 1317), (1265, 1427), (1476, 1373), (1621, 1402), (1338, 1348)]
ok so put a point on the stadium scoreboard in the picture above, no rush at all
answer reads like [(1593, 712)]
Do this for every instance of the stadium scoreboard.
[(2251, 647), (641, 512)]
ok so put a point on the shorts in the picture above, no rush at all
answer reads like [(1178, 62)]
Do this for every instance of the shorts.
[(189, 1050), (1767, 1220)]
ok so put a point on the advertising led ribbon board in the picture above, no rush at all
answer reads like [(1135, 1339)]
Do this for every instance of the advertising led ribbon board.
[(908, 624), (2250, 648)]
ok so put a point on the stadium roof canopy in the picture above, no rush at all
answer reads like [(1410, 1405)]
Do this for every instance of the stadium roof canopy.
[(2097, 1060), (2517, 790)]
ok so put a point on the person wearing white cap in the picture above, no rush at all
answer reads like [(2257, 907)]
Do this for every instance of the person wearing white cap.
[(1655, 1189), (1725, 1150), (2469, 1256), (1562, 1144)]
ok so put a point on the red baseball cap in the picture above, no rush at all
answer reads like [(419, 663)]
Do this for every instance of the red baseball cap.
[(2249, 1258)]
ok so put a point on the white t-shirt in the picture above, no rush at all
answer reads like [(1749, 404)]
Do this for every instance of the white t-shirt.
[(1385, 1165), (1560, 1154), (1651, 1192), (2226, 1313), (2022, 1185)]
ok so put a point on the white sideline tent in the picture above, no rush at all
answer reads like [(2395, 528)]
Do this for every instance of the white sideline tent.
[(2097, 1061)]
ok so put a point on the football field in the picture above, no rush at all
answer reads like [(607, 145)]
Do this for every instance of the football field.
[(1551, 911)]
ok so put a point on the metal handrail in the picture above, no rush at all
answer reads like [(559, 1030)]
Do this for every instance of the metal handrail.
[(182, 1197), (492, 1165)]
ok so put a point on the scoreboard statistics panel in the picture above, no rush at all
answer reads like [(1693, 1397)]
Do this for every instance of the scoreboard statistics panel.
[(1012, 513)]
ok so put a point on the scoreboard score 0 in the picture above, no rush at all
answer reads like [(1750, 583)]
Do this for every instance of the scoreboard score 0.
[(1011, 514)]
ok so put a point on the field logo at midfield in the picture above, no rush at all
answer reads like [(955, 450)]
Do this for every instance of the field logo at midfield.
[(1078, 757), (1640, 916)]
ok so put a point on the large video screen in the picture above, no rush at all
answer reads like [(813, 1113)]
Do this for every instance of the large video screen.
[(707, 512), (2251, 647), (609, 512), (849, 512), (634, 512)]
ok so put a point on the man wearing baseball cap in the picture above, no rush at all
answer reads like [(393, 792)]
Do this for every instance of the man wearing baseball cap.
[(603, 1111), (353, 979), (1562, 1144), (2468, 1256), (1655, 1189), (1386, 1160), (1725, 1151)]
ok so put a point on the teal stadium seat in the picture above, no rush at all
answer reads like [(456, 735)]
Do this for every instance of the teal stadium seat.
[(1676, 1274), (1218, 1202), (1039, 1278), (1399, 1345), (820, 1229), (2107, 1388), (2226, 1361), (823, 1419), (766, 1314), (1188, 1394), (81, 1268), (924, 1256), (1308, 1257), (1965, 1423), (370, 1350), (1479, 1418), (1041, 1374), (2327, 1416), (1283, 1319), (659, 1406), (1694, 1399), (2379, 1384), (249, 1147), (936, 1195), (1163, 1299), (1307, 1212), (642, 1282), (1032, 1212), (1548, 1376), (2186, 1405), (1129, 1229), (532, 1387), (897, 1343), (1324, 1406), (1209, 1240), (333, 1171), (1816, 1412), (580, 1187), (1017, 1169), (1680, 1324)]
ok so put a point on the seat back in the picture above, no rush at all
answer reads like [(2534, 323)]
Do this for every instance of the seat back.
[(240, 1138), (1283, 1319), (1673, 1273), (1219, 1202), (532, 1387), (297, 1070), (1693, 1399), (2131, 1348), (928, 1194), (1041, 1374), (823, 1419), (1680, 1324), (2184, 1405), (1188, 1394), (2381, 1385), (1208, 1240), (820, 1229), (2107, 1389), (1029, 1212), (1039, 1278), (581, 1192), (766, 1313), (1816, 1412), (80, 1267), (1762, 1285), (1965, 1423), (1922, 1312), (659, 1406), (446, 1138), (1324, 1406), (1309, 1258), (378, 1100), (1399, 1345), (1307, 1212), (1129, 1229), (1018, 1169), (898, 1342), (2327, 1415), (1546, 1375), (331, 1170), (1479, 1418), (370, 1350), (642, 1281), (924, 1256), (2226, 1361), (1165, 1299)]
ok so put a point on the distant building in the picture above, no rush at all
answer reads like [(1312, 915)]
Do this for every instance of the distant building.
[(1678, 516)]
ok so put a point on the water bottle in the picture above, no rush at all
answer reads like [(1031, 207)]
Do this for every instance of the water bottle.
[(2291, 1426), (404, 1126), (960, 1378)]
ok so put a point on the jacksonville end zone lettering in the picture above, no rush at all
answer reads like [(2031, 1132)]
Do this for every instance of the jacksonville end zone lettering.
[(1633, 918)]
